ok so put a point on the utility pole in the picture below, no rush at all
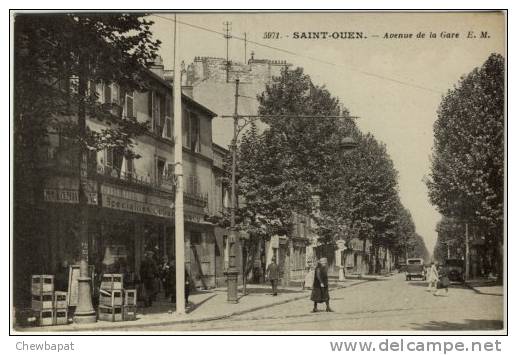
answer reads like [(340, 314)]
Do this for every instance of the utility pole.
[(467, 252), (178, 172), (84, 312), (245, 53), (227, 35), (232, 272)]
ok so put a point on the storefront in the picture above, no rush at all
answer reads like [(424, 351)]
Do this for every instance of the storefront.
[(123, 223)]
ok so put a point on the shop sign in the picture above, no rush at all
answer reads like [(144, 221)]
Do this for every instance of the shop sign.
[(136, 202), (67, 196), (62, 189)]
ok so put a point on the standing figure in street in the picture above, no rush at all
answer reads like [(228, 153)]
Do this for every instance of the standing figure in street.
[(272, 274), (148, 273), (432, 277), (443, 283), (320, 287), (309, 276)]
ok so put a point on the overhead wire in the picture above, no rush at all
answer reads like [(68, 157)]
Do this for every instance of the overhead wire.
[(323, 61)]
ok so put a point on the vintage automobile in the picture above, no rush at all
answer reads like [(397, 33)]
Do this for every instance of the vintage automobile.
[(415, 269), (454, 269)]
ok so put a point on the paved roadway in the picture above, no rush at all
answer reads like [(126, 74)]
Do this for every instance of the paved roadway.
[(390, 304)]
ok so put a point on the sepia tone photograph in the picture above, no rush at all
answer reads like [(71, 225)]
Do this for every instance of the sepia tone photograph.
[(264, 171)]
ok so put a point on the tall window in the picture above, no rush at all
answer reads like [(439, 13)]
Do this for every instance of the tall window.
[(167, 129), (191, 131), (114, 160), (160, 169), (194, 132), (107, 94), (130, 110), (186, 128), (193, 185)]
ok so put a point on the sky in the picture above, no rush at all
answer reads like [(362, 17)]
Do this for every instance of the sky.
[(394, 85)]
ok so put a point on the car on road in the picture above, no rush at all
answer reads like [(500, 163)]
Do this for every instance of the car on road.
[(415, 269), (454, 269)]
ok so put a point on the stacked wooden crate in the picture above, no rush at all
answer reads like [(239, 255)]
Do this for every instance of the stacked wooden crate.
[(129, 311), (49, 306), (111, 298)]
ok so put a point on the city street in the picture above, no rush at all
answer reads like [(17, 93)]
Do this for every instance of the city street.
[(389, 304)]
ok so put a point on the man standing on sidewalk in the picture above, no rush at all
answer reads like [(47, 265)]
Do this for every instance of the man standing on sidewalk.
[(272, 274), (320, 288)]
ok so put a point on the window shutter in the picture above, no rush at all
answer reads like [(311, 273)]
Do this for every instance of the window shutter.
[(107, 94)]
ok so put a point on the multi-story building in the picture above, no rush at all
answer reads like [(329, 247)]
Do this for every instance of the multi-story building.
[(211, 82), (131, 201)]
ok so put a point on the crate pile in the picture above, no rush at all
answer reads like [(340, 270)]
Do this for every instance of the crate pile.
[(49, 306), (115, 303)]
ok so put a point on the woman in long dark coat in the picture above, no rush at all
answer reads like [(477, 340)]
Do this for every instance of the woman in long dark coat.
[(320, 287)]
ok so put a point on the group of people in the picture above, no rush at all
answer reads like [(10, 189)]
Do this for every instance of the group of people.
[(437, 279), (318, 277), (155, 276)]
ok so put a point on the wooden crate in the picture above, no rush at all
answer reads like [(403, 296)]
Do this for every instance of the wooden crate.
[(130, 297), (60, 299), (61, 316), (43, 301), (45, 317), (110, 314), (110, 282), (111, 298), (129, 313), (42, 284)]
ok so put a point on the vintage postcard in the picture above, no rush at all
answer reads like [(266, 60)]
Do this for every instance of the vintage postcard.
[(258, 171)]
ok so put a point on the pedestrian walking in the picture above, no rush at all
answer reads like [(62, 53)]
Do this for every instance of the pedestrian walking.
[(320, 286), (432, 277), (273, 274), (442, 284), (148, 274)]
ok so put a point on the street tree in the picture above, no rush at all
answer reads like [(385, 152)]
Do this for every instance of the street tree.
[(467, 172), (59, 60)]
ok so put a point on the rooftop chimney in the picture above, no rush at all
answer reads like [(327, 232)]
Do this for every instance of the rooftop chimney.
[(157, 67)]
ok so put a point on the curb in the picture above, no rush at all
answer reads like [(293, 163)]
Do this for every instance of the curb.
[(110, 326), (473, 288)]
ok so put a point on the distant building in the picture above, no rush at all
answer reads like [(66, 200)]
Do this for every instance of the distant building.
[(212, 83)]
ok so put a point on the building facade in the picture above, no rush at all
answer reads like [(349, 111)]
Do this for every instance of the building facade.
[(130, 200)]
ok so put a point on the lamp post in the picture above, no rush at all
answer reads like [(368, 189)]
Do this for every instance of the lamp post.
[(178, 172), (232, 273)]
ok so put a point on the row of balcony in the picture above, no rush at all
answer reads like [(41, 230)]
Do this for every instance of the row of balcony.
[(67, 162)]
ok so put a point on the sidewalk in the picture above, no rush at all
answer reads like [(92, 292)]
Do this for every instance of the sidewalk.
[(203, 306), (485, 286)]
